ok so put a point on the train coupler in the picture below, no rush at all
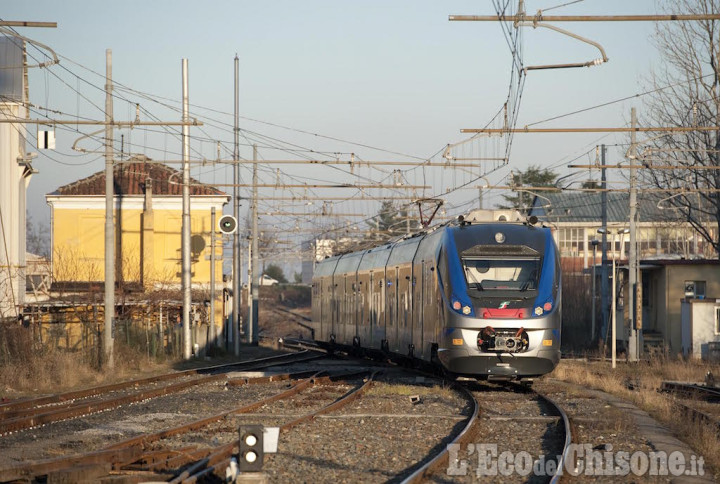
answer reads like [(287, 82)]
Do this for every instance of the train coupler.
[(507, 341)]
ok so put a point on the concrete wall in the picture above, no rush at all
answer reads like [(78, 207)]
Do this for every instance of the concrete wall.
[(671, 293), (699, 326), (78, 241), (13, 184)]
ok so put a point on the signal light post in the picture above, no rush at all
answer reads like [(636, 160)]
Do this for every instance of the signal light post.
[(251, 455)]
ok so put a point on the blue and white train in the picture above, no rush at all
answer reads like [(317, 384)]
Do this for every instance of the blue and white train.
[(481, 299)]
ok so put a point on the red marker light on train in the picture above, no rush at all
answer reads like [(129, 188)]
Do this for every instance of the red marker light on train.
[(456, 305), (547, 306)]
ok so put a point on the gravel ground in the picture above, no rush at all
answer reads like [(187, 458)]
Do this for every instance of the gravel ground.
[(99, 430), (380, 437), (599, 424), (510, 420)]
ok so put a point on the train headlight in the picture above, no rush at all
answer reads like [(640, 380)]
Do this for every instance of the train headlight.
[(461, 307), (538, 311), (499, 237)]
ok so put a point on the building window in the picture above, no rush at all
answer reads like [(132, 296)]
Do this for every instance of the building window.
[(695, 289), (717, 319)]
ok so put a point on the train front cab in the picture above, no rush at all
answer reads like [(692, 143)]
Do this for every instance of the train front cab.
[(501, 299)]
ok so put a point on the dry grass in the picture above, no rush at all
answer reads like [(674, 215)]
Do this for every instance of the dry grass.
[(646, 378), (28, 373)]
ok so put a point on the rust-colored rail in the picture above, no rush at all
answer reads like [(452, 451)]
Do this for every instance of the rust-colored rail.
[(440, 461), (131, 450), (693, 390), (217, 461), (11, 409), (41, 416)]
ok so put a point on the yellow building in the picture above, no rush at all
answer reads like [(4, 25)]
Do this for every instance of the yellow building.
[(148, 224)]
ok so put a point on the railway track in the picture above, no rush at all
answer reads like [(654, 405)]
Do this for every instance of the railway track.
[(312, 409), (692, 390), (457, 463), (138, 453), (687, 397), (31, 413), (218, 460)]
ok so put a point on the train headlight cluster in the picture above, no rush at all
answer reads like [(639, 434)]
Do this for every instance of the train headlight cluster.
[(546, 308), (462, 307)]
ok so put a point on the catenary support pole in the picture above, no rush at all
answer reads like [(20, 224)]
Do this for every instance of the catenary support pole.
[(186, 282), (604, 280), (635, 332), (255, 253), (109, 225), (211, 317), (237, 256)]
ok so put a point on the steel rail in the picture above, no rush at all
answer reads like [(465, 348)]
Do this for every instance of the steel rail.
[(692, 389), (180, 461), (131, 450), (565, 455), (422, 473), (74, 410), (697, 415), (220, 459), (7, 408)]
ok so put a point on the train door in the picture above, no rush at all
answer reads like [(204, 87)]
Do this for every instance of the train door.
[(418, 280), (380, 304), (364, 308), (338, 301), (432, 300), (347, 325), (327, 307), (404, 310), (315, 313), (391, 295)]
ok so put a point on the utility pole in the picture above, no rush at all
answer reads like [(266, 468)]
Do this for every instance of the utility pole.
[(212, 278), (256, 256), (237, 256), (248, 320), (635, 329), (604, 285), (186, 282), (109, 225)]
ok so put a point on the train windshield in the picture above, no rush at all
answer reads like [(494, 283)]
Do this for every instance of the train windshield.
[(502, 274)]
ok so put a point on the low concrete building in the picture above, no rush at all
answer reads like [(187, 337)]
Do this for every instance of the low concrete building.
[(664, 287), (701, 329)]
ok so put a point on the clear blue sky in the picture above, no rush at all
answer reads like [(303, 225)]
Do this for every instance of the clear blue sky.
[(395, 75)]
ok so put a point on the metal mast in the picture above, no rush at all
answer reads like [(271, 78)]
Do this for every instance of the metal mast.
[(187, 343), (255, 254), (635, 330), (237, 265), (109, 226)]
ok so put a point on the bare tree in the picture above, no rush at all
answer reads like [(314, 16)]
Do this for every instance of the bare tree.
[(37, 237), (687, 93)]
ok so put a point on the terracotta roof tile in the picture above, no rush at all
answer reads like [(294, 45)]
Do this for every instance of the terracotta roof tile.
[(129, 179)]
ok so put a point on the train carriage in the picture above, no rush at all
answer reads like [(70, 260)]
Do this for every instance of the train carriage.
[(481, 299)]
